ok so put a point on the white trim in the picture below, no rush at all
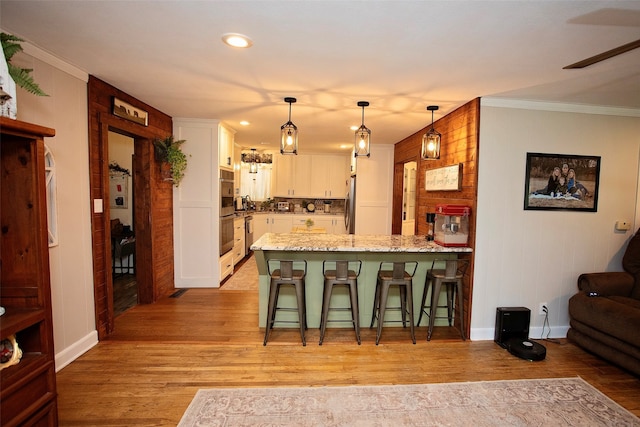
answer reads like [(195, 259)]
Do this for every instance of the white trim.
[(488, 334), (559, 107), (76, 350), (54, 61)]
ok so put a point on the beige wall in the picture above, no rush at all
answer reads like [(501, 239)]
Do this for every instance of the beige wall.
[(523, 257), (65, 110)]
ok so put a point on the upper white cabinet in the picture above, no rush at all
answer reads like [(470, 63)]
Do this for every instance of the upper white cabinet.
[(225, 147), (291, 176), (329, 176), (317, 176)]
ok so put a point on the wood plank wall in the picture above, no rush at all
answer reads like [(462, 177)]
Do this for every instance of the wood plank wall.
[(460, 131), (153, 223)]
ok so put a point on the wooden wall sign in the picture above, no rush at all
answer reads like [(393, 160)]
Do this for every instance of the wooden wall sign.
[(448, 178)]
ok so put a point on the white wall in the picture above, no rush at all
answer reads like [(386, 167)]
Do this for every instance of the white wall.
[(523, 258), (65, 110)]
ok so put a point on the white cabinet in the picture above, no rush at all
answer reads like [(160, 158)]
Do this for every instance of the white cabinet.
[(238, 240), (329, 176), (271, 223), (225, 147), (226, 265), (291, 176)]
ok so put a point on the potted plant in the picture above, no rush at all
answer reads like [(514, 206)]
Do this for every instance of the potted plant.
[(168, 151)]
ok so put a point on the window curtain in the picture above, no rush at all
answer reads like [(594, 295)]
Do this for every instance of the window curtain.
[(256, 185)]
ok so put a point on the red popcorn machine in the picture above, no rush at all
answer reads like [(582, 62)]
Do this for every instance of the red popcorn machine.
[(452, 225)]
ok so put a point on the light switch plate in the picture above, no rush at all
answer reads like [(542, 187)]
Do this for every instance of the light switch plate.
[(97, 206)]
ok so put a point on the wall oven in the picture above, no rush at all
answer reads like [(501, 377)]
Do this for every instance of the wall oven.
[(227, 211)]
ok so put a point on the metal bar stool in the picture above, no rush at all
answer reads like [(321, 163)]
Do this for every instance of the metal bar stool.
[(340, 275), (451, 276), (398, 276), (285, 274)]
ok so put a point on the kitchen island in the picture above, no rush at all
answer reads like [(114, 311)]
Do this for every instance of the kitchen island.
[(370, 249)]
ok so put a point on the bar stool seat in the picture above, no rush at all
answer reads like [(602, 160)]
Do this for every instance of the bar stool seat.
[(285, 274), (397, 276), (340, 275), (451, 277)]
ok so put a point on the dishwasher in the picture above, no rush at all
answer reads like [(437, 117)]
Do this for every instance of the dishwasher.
[(248, 233)]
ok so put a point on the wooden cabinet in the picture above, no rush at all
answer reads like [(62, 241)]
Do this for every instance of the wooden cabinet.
[(238, 240), (225, 147), (315, 176), (333, 224), (28, 389), (226, 265)]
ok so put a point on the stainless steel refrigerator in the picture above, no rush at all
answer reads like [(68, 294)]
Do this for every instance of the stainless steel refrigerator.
[(350, 207)]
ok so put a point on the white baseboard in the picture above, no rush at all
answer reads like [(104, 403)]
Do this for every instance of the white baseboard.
[(485, 334), (76, 350)]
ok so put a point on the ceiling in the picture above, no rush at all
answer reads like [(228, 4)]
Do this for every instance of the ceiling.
[(399, 55)]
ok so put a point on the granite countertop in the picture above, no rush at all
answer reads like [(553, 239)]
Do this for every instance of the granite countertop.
[(349, 243)]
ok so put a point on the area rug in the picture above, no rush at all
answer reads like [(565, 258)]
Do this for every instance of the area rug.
[(245, 278), (545, 402)]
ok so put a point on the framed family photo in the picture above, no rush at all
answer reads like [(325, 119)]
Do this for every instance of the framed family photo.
[(561, 182)]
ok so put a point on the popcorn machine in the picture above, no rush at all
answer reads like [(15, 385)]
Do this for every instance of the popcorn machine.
[(452, 225)]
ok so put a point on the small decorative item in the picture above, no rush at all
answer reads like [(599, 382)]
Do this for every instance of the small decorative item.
[(129, 112), (561, 182), (309, 223), (168, 152), (10, 353)]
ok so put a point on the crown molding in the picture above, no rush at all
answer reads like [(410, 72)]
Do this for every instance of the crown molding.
[(558, 107)]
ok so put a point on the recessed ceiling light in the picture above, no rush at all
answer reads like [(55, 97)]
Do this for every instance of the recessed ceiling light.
[(354, 127), (344, 146), (244, 123), (237, 40)]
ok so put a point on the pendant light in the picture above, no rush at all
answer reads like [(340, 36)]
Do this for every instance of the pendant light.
[(253, 165), (431, 140), (289, 133), (363, 136)]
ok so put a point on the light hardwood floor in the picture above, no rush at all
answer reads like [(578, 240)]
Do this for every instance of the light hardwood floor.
[(147, 373)]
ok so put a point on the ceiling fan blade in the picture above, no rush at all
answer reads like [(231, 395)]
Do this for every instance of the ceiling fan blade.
[(604, 55)]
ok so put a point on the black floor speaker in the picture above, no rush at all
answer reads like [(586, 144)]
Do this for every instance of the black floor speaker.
[(512, 333)]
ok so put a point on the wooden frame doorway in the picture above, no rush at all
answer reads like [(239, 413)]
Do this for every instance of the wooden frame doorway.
[(153, 219)]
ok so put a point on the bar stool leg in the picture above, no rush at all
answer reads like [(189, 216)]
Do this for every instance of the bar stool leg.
[(435, 293), (302, 315), (427, 283), (326, 299), (403, 304), (384, 293), (271, 310), (409, 295), (460, 308), (355, 315), (376, 304), (451, 294)]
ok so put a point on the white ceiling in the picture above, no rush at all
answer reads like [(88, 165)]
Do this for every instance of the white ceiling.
[(399, 55)]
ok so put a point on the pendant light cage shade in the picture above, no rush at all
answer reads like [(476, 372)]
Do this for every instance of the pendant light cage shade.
[(253, 165), (431, 140), (289, 134), (362, 147)]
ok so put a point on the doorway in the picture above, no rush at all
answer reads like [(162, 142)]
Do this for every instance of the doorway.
[(121, 214), (409, 199)]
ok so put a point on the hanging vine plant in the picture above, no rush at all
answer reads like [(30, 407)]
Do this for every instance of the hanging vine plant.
[(168, 151)]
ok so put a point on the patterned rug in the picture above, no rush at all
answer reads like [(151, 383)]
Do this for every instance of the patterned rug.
[(545, 402), (244, 278)]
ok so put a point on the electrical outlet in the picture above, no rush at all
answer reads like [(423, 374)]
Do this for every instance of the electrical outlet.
[(543, 308)]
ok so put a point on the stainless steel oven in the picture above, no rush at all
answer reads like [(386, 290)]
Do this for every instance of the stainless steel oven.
[(226, 234), (227, 206), (227, 211)]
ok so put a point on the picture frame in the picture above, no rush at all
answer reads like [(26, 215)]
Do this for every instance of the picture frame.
[(118, 191), (447, 178), (129, 112), (575, 180)]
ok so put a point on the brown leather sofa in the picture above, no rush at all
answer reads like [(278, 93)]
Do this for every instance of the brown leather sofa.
[(605, 314)]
